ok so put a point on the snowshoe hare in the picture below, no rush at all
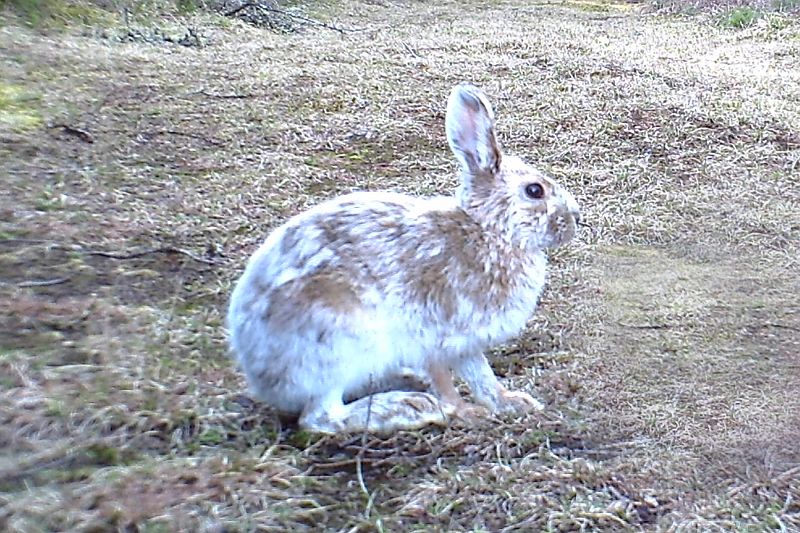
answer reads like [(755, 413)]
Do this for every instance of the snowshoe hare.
[(358, 313)]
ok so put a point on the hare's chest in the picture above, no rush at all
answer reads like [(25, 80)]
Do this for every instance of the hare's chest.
[(479, 328), (511, 320)]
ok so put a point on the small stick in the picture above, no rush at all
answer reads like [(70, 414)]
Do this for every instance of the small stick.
[(114, 255), (360, 456), (163, 249), (37, 283), (184, 134), (307, 20), (83, 135), (648, 326), (232, 96)]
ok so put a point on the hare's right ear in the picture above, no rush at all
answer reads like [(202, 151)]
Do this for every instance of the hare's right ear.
[(470, 130)]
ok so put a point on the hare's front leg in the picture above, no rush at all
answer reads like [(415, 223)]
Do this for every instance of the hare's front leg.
[(381, 412), (488, 390)]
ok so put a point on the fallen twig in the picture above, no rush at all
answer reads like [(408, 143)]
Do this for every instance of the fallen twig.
[(37, 283), (359, 458), (313, 22), (647, 326), (233, 96), (15, 240), (779, 326), (111, 255), (339, 465), (162, 250), (410, 50), (184, 134), (83, 135)]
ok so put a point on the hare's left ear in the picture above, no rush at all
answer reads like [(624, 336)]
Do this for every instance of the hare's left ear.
[(470, 130)]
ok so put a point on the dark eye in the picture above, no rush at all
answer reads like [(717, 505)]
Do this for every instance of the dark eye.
[(534, 190)]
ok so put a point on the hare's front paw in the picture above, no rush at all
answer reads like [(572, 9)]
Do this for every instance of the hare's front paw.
[(518, 402), (469, 412)]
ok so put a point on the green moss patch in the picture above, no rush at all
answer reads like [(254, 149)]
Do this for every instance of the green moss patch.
[(19, 108)]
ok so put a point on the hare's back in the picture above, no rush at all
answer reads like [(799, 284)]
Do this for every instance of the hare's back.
[(359, 236)]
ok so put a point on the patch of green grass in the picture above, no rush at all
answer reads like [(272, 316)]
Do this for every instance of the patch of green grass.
[(11, 233), (150, 402), (7, 383), (674, 6), (65, 475), (400, 470), (740, 17), (590, 7), (104, 455), (537, 437), (302, 439), (156, 526), (785, 5), (211, 437), (49, 201), (55, 408), (186, 7), (51, 14), (19, 108)]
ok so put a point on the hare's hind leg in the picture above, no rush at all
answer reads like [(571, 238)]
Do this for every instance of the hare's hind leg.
[(381, 412)]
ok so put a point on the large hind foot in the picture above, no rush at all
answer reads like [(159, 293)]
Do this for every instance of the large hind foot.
[(382, 412)]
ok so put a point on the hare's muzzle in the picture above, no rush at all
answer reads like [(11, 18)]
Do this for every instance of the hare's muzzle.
[(564, 223)]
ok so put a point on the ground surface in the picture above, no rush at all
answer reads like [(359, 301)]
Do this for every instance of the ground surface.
[(139, 174)]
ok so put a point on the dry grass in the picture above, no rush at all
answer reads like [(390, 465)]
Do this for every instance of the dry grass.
[(666, 347)]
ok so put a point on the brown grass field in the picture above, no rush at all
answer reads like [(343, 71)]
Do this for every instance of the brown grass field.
[(139, 173)]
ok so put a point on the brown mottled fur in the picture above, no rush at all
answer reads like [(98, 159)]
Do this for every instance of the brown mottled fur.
[(329, 288), (459, 270)]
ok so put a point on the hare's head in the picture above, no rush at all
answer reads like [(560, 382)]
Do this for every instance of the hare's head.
[(502, 192)]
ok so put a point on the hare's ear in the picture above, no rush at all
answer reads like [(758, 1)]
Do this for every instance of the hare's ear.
[(470, 130)]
